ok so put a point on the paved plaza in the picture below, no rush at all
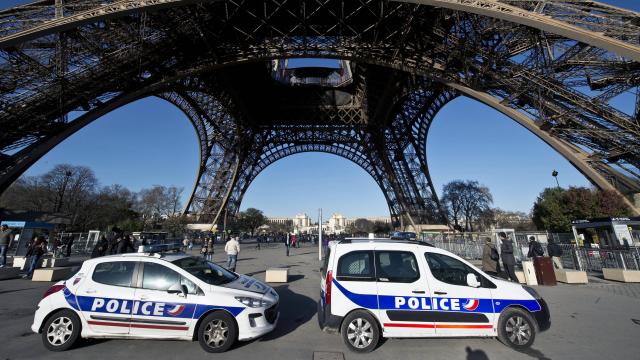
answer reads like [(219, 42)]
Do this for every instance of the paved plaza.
[(596, 321)]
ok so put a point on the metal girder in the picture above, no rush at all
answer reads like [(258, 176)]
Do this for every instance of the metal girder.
[(552, 65)]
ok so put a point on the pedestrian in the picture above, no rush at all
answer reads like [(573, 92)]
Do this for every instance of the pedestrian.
[(555, 251), (210, 249), (490, 258), (535, 249), (35, 252), (6, 236), (508, 260), (204, 250), (232, 248), (125, 245), (69, 245), (287, 243), (185, 244), (101, 247)]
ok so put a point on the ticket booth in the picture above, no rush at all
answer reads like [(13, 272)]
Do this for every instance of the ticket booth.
[(607, 233), (25, 231)]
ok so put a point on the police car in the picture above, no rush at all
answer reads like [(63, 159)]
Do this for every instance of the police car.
[(391, 288), (156, 296)]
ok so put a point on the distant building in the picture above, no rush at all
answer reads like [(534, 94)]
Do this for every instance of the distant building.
[(336, 224), (301, 221)]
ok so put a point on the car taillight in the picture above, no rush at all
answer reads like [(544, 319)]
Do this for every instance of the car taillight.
[(327, 296), (52, 290)]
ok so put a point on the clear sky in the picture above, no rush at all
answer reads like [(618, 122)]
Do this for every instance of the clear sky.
[(150, 142)]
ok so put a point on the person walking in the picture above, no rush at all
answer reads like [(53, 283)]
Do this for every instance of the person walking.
[(210, 249), (232, 248), (204, 251), (508, 260), (6, 236), (36, 251), (185, 244), (287, 243), (490, 257), (535, 249), (555, 251)]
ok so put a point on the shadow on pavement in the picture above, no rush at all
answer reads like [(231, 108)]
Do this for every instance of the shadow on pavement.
[(476, 354), (296, 277), (534, 353), (295, 310)]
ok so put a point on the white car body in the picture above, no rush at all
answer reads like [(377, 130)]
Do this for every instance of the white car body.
[(108, 311), (424, 307)]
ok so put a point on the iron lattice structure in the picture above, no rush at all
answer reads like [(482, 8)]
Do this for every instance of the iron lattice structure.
[(551, 65)]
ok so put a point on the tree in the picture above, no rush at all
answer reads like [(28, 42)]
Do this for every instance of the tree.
[(158, 203), (361, 226), (452, 200), (556, 208), (465, 201), (252, 219)]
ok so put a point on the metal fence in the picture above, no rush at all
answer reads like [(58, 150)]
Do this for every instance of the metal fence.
[(593, 260)]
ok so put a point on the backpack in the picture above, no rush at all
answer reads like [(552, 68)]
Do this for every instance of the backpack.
[(537, 249), (494, 254)]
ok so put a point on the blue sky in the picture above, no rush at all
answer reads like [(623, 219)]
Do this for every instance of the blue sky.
[(150, 142)]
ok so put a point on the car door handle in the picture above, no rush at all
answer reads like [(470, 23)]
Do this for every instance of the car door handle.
[(144, 297), (440, 292), (418, 291), (90, 291)]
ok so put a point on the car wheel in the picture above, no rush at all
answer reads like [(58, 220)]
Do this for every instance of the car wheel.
[(61, 330), (516, 328), (218, 332), (360, 332)]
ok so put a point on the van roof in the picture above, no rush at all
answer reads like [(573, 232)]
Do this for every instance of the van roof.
[(384, 241)]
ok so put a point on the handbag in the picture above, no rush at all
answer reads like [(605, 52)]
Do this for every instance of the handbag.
[(494, 254)]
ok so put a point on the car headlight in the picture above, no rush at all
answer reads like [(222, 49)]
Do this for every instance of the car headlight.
[(253, 302), (532, 292)]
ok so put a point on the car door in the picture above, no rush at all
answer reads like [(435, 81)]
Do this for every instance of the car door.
[(353, 283), (459, 309), (105, 300), (403, 294), (161, 311)]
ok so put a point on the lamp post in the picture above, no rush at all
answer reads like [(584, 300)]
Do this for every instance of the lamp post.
[(555, 175), (320, 235)]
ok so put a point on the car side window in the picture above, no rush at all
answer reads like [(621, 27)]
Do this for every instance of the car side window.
[(356, 266), (158, 277), (115, 273), (397, 266), (449, 270)]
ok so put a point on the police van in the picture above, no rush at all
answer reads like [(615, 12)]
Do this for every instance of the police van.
[(394, 288), (156, 296)]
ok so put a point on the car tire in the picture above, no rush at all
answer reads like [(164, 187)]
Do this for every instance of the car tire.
[(360, 332), (61, 330), (516, 328), (217, 332)]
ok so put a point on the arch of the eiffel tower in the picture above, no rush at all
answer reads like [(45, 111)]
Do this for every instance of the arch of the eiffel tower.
[(550, 65)]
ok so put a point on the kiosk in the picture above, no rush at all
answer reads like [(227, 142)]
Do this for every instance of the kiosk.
[(607, 233), (25, 231)]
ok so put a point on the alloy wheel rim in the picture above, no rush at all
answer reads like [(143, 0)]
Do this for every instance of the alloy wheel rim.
[(360, 333), (518, 330), (59, 331), (216, 333)]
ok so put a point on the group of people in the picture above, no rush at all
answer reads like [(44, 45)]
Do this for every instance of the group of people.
[(120, 243), (491, 256)]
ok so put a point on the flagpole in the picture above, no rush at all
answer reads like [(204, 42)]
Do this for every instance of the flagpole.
[(320, 237)]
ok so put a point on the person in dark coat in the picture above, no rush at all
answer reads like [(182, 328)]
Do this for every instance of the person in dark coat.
[(508, 260), (535, 249), (555, 251), (101, 247), (36, 251), (125, 245)]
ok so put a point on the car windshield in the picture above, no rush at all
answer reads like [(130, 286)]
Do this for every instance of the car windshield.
[(206, 271)]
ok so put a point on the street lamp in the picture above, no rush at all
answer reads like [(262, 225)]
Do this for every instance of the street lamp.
[(555, 175)]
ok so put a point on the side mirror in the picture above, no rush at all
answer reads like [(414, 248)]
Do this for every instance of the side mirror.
[(178, 289), (472, 280)]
